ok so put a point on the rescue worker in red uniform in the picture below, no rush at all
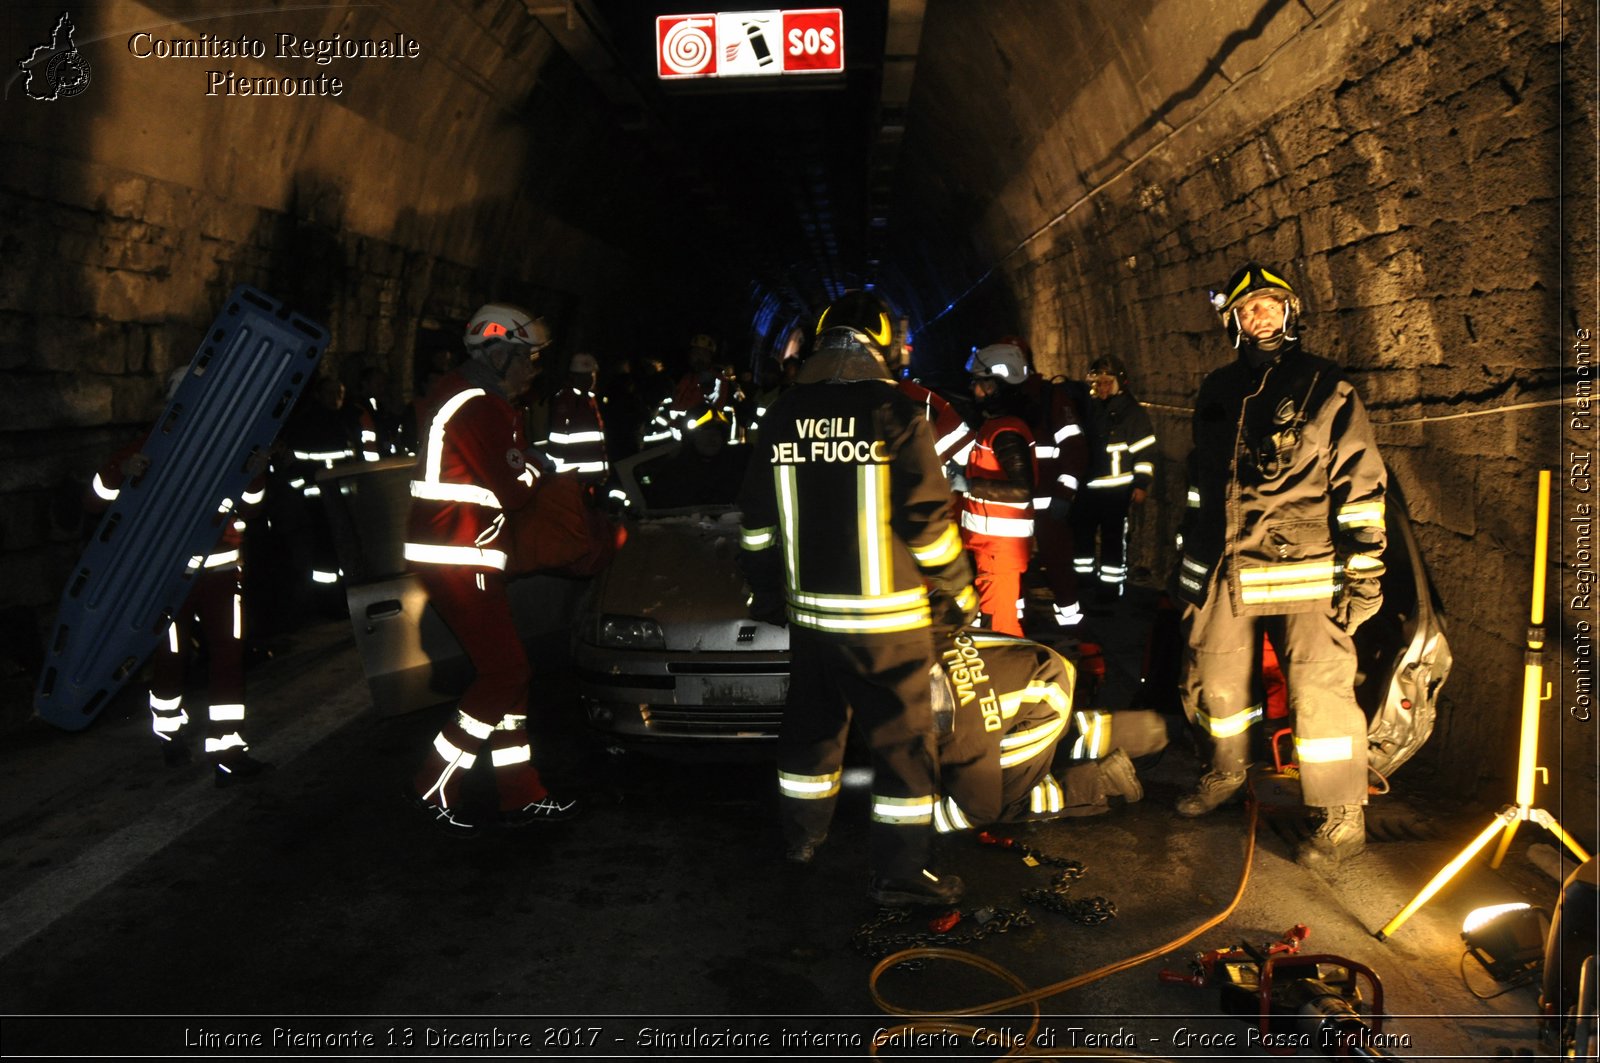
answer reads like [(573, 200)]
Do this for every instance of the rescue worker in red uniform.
[(472, 471), (214, 610), (1285, 523), (847, 521), (1009, 705), (1121, 443), (997, 501), (577, 432)]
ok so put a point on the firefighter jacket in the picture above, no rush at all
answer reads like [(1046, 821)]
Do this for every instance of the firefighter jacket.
[(1013, 704), (1121, 443), (952, 436), (847, 508), (231, 513), (1060, 446), (577, 435), (1001, 472), (1286, 487), (472, 471)]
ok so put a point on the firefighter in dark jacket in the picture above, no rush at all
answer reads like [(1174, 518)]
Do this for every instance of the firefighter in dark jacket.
[(847, 524), (1008, 703), (1284, 520), (1121, 443), (472, 472)]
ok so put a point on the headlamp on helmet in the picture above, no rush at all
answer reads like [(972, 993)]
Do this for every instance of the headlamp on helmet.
[(1002, 362), (1249, 280)]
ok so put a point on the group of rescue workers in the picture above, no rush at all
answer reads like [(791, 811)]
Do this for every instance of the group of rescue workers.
[(891, 536)]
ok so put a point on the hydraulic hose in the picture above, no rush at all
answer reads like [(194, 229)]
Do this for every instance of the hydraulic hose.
[(1031, 997)]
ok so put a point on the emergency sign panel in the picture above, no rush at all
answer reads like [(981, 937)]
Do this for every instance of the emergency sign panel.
[(750, 43)]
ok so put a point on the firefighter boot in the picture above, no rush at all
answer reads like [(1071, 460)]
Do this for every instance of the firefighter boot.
[(926, 888), (1216, 789), (1119, 778), (1343, 834), (805, 850)]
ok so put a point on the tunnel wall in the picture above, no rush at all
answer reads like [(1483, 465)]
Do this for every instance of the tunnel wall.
[(1399, 160), (426, 188)]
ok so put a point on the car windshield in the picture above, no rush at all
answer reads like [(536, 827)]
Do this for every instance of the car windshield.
[(678, 477)]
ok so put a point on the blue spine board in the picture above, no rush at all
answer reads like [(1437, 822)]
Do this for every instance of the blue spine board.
[(253, 364)]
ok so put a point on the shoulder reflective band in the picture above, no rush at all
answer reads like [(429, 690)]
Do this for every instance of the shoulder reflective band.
[(1324, 750), (950, 440), (808, 787), (1227, 726), (436, 429), (902, 811), (1067, 431)]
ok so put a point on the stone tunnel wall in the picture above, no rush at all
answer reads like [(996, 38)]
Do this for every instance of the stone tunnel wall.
[(1400, 161), (128, 212)]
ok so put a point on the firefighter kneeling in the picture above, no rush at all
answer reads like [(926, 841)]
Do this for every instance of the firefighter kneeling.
[(1002, 706)]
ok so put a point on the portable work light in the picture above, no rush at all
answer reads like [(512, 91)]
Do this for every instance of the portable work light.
[(1507, 939)]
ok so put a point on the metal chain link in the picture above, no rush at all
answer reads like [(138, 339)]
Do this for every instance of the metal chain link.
[(869, 942)]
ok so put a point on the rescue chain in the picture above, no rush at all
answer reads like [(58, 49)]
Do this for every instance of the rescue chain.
[(984, 921), (1088, 911)]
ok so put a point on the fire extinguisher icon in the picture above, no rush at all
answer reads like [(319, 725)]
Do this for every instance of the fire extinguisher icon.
[(758, 42)]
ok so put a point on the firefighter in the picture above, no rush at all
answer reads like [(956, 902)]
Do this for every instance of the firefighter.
[(846, 514), (1054, 413), (1009, 703), (577, 432), (997, 501), (214, 610), (1284, 521), (473, 470), (1121, 442)]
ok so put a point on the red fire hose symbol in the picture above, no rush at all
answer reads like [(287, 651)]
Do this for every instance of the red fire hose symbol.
[(688, 46)]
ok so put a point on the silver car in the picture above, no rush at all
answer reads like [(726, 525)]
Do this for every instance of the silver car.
[(665, 648)]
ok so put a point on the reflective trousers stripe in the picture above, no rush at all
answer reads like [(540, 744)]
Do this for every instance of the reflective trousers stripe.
[(1227, 726), (902, 811), (808, 787)]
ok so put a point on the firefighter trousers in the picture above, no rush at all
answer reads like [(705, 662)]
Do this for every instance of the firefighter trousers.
[(1319, 667), (881, 686), (1102, 512)]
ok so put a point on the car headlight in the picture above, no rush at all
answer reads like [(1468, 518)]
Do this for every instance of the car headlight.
[(631, 632)]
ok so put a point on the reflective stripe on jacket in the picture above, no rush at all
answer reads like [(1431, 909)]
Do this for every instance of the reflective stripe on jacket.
[(472, 469), (1121, 443), (986, 516), (846, 507), (577, 434)]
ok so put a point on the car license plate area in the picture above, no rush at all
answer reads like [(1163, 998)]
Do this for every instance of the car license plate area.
[(732, 689)]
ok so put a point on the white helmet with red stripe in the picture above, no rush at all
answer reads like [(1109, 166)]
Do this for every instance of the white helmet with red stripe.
[(497, 323)]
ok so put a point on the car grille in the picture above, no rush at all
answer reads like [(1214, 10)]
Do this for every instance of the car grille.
[(711, 723), (728, 668)]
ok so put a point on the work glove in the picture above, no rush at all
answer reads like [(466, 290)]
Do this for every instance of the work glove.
[(1357, 601), (769, 607)]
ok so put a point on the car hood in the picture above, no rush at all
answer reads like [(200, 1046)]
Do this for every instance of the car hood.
[(683, 572)]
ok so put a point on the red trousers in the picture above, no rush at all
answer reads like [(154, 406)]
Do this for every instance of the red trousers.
[(214, 607), (1000, 561)]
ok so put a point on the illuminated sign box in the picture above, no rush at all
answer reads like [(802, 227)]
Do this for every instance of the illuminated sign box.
[(728, 44)]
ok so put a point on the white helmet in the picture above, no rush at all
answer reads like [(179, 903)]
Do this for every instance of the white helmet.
[(1004, 362), (583, 363), (497, 323)]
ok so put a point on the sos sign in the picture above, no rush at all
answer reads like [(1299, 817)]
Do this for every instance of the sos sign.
[(750, 43)]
